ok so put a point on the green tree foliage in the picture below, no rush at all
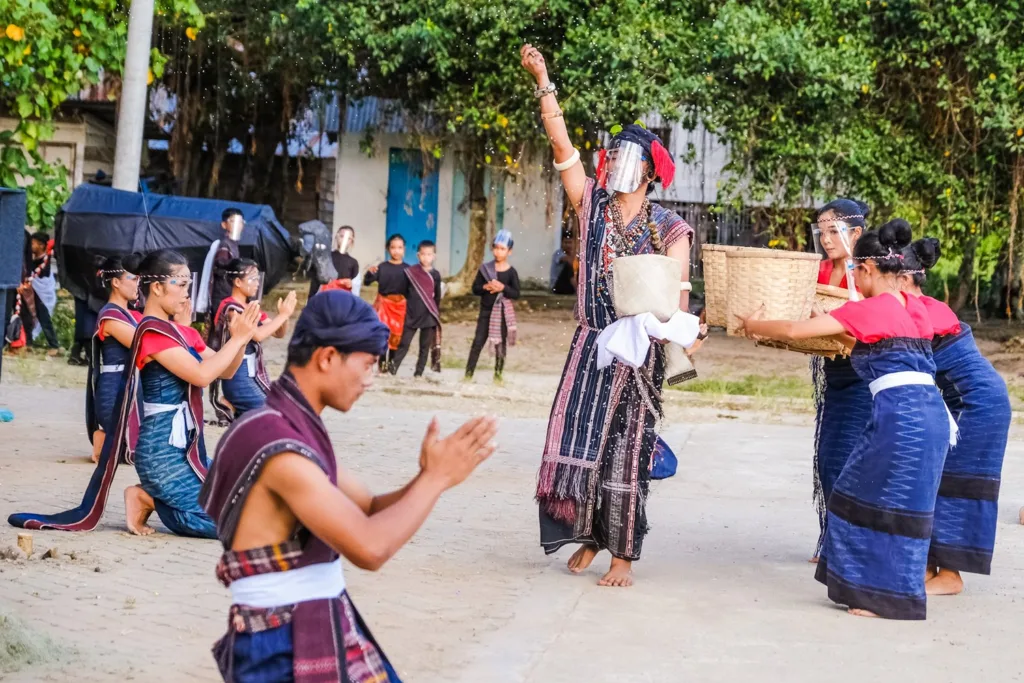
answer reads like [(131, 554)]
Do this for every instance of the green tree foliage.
[(915, 106), (50, 50)]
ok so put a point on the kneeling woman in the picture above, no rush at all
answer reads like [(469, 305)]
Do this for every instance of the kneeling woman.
[(880, 513), (170, 365), (247, 390), (967, 508), (111, 341)]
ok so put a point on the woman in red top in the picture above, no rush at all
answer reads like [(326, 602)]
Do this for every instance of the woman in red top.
[(115, 330), (841, 398), (880, 513), (247, 390), (967, 507), (169, 364)]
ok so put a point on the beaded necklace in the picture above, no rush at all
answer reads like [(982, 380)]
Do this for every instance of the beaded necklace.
[(620, 239)]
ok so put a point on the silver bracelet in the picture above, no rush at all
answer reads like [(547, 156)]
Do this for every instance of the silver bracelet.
[(548, 89)]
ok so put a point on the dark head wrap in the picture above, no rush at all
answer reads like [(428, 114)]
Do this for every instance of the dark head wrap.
[(851, 211), (654, 148), (342, 320)]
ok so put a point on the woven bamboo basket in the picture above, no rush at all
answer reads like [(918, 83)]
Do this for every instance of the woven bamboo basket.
[(716, 281), (783, 281), (827, 298)]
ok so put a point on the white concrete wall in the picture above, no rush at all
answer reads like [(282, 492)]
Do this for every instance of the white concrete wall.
[(66, 147), (533, 207), (533, 214)]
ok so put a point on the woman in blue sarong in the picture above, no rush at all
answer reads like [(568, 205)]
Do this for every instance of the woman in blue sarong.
[(880, 513), (111, 340), (169, 364), (247, 390), (967, 506), (841, 398)]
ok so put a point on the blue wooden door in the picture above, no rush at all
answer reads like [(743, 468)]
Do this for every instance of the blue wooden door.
[(412, 200)]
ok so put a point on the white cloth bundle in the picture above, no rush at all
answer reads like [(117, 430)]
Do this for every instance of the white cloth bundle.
[(628, 339)]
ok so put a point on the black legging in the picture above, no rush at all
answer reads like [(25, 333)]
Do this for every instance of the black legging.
[(483, 326), (426, 343)]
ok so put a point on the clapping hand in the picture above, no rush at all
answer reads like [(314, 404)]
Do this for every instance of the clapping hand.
[(244, 324)]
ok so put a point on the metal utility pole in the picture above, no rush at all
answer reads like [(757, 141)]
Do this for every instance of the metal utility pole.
[(131, 116)]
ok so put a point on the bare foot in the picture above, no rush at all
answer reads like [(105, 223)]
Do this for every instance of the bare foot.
[(138, 506), (97, 444), (946, 582), (813, 560), (582, 558), (861, 613), (1022, 515), (620, 574)]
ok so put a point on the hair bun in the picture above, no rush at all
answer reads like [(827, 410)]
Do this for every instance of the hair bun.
[(865, 210), (927, 251), (895, 234)]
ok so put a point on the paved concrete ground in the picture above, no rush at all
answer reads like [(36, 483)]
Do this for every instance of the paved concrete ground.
[(724, 592)]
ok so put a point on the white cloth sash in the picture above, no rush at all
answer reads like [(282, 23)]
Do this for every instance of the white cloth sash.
[(320, 581), (111, 368), (628, 339), (181, 423), (909, 378), (250, 364), (202, 301)]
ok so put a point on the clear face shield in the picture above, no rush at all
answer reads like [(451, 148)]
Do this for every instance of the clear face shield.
[(235, 226), (624, 168), (833, 240), (343, 241)]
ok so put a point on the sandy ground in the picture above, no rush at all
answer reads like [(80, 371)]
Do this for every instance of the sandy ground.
[(724, 591)]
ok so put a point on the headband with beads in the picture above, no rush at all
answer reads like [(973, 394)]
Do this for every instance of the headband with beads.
[(890, 255), (110, 274)]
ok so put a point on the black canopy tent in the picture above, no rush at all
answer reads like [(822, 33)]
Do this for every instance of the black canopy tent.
[(99, 221)]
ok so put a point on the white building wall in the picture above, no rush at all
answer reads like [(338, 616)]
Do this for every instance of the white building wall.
[(533, 207)]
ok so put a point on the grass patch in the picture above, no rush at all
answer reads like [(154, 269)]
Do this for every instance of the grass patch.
[(21, 646), (763, 386)]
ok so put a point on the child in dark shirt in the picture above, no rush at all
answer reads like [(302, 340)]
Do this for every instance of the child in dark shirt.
[(497, 285), (422, 312)]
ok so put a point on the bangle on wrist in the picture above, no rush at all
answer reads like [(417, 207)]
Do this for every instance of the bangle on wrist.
[(548, 89), (573, 159), (550, 115)]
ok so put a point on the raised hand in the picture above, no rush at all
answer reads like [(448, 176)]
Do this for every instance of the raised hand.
[(533, 62), (454, 458), (244, 324), (286, 306)]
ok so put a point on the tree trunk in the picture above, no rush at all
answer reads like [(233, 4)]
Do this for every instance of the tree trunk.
[(966, 275), (462, 282), (1018, 178)]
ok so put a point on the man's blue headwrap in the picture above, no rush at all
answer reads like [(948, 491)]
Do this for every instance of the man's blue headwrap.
[(342, 320)]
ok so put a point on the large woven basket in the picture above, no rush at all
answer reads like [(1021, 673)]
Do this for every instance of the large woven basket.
[(783, 281), (826, 298), (716, 281)]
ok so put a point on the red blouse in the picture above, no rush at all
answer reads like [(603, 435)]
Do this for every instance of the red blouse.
[(101, 331), (942, 317), (825, 274), (882, 317), (153, 343)]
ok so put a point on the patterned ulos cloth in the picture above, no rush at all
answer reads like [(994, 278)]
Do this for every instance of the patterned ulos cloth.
[(595, 471)]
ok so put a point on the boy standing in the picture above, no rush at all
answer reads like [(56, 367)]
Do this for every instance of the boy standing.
[(497, 285), (44, 289), (422, 312), (286, 512)]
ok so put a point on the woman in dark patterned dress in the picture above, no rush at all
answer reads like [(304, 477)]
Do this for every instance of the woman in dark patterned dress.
[(595, 473)]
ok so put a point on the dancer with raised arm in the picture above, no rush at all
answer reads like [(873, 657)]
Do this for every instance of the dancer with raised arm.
[(595, 471)]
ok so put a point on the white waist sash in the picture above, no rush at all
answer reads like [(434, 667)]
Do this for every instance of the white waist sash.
[(250, 363), (909, 378), (316, 582), (181, 423), (111, 368)]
